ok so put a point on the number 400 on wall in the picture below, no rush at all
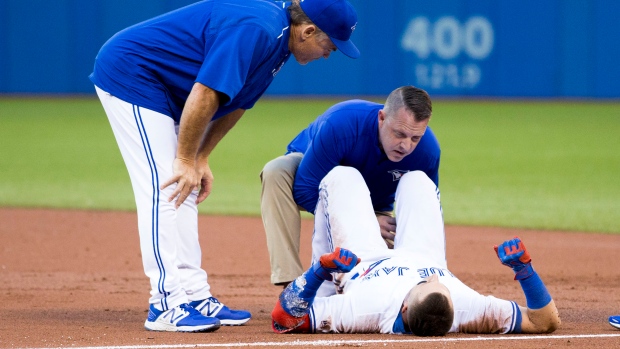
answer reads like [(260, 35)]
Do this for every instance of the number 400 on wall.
[(447, 37)]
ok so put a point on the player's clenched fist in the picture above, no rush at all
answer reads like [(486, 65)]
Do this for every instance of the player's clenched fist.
[(512, 253), (341, 260)]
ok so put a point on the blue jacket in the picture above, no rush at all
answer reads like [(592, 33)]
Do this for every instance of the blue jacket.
[(347, 134)]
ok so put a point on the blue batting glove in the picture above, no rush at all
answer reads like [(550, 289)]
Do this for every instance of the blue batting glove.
[(512, 253), (340, 261)]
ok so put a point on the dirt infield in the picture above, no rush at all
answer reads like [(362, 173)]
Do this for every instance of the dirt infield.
[(74, 279)]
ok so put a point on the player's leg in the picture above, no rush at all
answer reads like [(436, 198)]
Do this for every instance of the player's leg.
[(193, 278), (149, 163), (345, 217), (281, 217), (419, 218), (189, 256)]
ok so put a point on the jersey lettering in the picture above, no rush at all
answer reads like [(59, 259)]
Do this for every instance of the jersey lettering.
[(389, 270), (426, 272)]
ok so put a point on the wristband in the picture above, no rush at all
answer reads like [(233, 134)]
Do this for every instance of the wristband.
[(536, 294)]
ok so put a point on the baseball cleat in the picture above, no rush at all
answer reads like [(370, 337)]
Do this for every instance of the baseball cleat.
[(615, 321), (211, 307), (182, 318)]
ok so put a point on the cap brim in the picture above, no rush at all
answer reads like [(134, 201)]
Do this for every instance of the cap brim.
[(346, 47)]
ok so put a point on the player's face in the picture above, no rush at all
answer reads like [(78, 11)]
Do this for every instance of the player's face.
[(400, 133), (312, 46)]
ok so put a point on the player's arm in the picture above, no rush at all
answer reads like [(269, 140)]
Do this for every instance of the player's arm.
[(216, 130), (430, 142), (234, 53), (541, 314), (201, 105), (290, 313)]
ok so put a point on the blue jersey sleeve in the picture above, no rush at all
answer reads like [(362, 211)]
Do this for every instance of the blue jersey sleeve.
[(434, 156), (323, 154), (234, 53)]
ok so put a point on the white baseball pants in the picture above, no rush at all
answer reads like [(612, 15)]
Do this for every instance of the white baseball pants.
[(171, 254), (345, 218)]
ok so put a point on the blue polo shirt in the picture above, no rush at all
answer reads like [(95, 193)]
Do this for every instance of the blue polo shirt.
[(235, 47), (347, 134)]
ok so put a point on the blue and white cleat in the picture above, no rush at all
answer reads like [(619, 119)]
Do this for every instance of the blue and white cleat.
[(211, 307), (615, 321), (182, 318)]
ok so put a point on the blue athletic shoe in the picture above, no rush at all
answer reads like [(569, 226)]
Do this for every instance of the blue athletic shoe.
[(228, 317), (182, 318), (615, 321)]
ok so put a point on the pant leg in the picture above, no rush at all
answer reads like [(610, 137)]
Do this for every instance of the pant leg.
[(419, 218), (194, 279), (147, 141), (345, 218), (281, 217)]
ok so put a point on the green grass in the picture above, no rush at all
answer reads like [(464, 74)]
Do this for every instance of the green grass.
[(550, 165), (538, 165)]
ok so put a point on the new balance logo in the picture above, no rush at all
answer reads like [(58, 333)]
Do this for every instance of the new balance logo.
[(212, 308), (171, 314)]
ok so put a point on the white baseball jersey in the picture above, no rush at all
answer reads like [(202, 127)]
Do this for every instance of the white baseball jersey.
[(374, 294), (371, 295)]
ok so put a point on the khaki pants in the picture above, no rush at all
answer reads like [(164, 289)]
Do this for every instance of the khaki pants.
[(281, 217)]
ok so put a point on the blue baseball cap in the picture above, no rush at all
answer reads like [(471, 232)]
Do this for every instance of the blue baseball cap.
[(337, 18)]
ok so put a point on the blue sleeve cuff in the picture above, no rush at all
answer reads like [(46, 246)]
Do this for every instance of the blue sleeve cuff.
[(518, 318), (399, 325)]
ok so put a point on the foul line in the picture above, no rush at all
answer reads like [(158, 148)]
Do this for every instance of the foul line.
[(345, 342)]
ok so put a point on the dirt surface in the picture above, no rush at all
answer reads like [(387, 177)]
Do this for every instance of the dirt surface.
[(75, 279)]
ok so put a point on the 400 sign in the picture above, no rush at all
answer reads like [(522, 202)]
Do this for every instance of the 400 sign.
[(439, 44)]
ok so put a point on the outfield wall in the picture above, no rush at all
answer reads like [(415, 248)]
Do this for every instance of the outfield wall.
[(503, 48)]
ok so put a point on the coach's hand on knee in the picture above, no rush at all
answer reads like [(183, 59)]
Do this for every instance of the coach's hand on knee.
[(187, 179)]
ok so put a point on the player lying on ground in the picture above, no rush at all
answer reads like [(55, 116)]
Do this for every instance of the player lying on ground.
[(405, 290)]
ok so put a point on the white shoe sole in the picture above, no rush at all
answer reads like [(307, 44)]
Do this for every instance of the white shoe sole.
[(166, 327), (233, 322)]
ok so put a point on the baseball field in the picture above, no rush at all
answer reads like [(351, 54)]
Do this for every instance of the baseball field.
[(71, 272)]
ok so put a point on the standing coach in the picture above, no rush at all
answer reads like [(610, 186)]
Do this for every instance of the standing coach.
[(172, 87)]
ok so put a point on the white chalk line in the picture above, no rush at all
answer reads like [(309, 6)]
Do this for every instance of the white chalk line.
[(344, 342)]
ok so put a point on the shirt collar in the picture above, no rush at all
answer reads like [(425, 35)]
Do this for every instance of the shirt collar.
[(399, 325)]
